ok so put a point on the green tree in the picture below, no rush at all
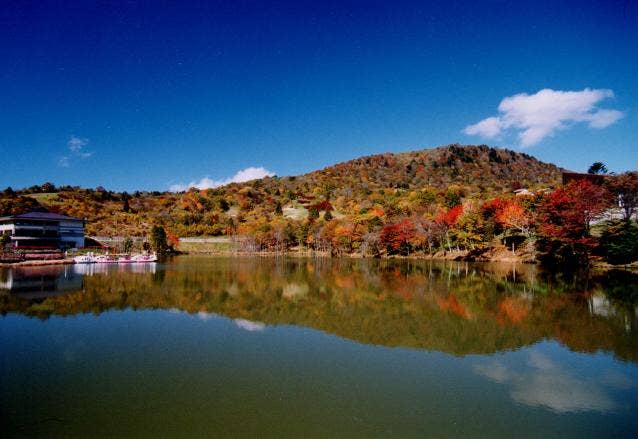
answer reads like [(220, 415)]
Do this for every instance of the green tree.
[(313, 213), (158, 240), (619, 242), (425, 197), (127, 245), (452, 198), (125, 205), (223, 205), (47, 187), (597, 168), (4, 240), (301, 233)]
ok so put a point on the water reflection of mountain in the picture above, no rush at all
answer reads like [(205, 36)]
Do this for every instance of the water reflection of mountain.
[(452, 307)]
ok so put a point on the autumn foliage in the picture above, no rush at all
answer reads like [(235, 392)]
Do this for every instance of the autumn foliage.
[(567, 212), (449, 217), (397, 237), (452, 198), (565, 218)]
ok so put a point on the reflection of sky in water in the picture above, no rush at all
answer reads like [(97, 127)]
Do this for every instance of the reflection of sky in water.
[(246, 325), (401, 346), (544, 381), (249, 325), (172, 369), (203, 315)]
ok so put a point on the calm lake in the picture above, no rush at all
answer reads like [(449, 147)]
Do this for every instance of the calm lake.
[(289, 347)]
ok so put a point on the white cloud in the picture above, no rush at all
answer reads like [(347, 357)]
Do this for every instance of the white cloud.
[(74, 145), (540, 115), (490, 128), (250, 173)]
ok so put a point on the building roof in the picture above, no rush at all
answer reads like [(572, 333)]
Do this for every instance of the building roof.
[(594, 178), (41, 216)]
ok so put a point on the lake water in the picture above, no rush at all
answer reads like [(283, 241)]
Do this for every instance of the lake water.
[(286, 347)]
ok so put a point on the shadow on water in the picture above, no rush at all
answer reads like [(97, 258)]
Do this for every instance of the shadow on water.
[(458, 308)]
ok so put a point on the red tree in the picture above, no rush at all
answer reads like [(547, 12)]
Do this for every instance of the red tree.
[(567, 212), (173, 240), (491, 207), (448, 219), (323, 205), (625, 188), (397, 237)]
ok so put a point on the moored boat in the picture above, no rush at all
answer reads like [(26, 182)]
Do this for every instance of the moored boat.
[(90, 258), (144, 257), (84, 259), (104, 259)]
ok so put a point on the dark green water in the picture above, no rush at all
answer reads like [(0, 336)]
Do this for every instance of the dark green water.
[(265, 347)]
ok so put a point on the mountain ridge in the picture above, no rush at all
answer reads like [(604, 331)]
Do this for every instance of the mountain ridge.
[(404, 183), (437, 157)]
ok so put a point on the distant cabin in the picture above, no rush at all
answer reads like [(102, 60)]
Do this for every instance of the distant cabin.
[(523, 193), (40, 230)]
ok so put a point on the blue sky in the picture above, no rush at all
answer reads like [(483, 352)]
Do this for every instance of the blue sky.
[(149, 95)]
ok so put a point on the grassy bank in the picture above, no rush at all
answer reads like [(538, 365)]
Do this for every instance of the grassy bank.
[(204, 247)]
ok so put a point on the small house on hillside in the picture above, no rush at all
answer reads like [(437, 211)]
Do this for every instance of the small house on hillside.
[(43, 230), (523, 193)]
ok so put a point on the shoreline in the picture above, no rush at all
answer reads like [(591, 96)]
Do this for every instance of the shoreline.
[(38, 262), (461, 256)]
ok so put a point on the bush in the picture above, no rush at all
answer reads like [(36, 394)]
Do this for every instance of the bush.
[(619, 242)]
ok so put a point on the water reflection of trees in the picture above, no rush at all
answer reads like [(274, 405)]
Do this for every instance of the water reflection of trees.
[(458, 308)]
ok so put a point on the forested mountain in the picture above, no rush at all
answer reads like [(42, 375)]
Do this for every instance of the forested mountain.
[(383, 185), (479, 168), (458, 199)]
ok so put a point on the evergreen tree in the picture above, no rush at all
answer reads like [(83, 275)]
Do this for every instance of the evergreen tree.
[(158, 240), (127, 245), (597, 168), (620, 242)]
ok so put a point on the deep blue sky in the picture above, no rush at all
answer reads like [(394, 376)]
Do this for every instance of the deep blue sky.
[(160, 93)]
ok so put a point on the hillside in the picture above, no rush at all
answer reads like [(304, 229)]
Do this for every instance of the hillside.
[(375, 188), (476, 167)]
